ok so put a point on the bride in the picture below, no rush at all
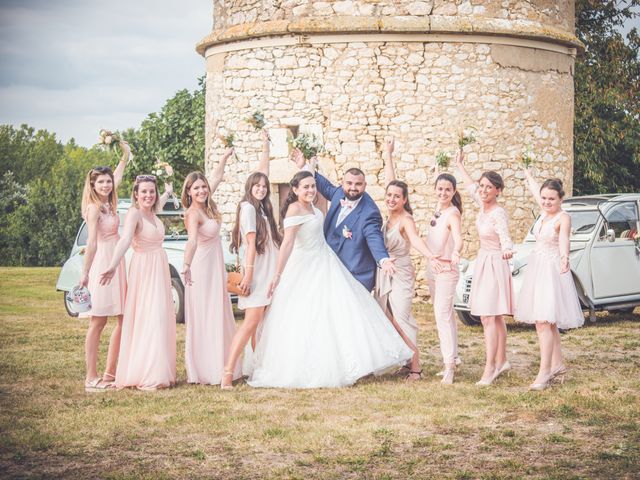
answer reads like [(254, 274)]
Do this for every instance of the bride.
[(323, 328)]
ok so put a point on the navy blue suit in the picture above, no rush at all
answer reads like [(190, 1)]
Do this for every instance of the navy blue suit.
[(363, 251)]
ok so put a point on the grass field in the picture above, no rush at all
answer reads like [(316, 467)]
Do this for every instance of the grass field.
[(379, 429)]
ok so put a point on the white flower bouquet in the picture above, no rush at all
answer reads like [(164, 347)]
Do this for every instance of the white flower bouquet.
[(308, 143)]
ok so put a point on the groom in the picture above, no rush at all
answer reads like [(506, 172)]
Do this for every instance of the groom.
[(353, 225)]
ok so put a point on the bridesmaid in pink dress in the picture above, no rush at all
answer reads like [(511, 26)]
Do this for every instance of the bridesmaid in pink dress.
[(395, 293), (491, 291), (99, 210), (208, 313), (444, 240), (548, 295), (148, 348), (256, 229)]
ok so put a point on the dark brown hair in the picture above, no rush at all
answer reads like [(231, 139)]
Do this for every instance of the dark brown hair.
[(354, 171), (494, 178), (456, 200), (262, 207), (405, 193), (292, 197), (553, 184)]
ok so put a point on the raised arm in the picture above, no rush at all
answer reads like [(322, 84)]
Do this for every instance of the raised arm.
[(131, 222), (168, 191), (533, 186), (387, 158), (118, 173), (263, 165), (468, 181), (218, 173), (192, 222), (564, 241), (92, 214)]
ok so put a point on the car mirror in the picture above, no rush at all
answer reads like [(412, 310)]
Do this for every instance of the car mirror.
[(611, 235)]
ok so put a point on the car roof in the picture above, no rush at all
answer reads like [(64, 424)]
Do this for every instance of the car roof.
[(169, 208), (595, 200)]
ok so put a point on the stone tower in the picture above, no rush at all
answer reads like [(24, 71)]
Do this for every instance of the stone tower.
[(358, 70)]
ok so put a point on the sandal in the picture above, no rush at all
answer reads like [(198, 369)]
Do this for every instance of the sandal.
[(227, 386), (96, 385), (413, 376), (111, 377)]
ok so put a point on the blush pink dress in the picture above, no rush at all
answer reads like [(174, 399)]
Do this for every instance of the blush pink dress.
[(442, 286), (148, 346), (546, 294), (491, 290), (106, 300), (208, 313)]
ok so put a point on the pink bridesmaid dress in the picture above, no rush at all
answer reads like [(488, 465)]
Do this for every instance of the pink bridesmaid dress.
[(208, 313), (106, 300), (546, 294), (491, 290), (148, 347)]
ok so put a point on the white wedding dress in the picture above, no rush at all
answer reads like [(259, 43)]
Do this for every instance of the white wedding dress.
[(323, 329)]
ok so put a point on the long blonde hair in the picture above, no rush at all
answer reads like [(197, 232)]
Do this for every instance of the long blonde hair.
[(91, 197), (210, 207)]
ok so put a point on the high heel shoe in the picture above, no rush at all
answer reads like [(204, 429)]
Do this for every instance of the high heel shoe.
[(557, 374), (227, 386), (413, 376), (538, 387), (489, 381), (506, 366)]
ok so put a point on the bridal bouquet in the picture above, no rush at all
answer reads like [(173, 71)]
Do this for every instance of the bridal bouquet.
[(466, 139), (308, 144), (527, 158), (257, 120), (108, 140), (443, 159), (163, 171), (227, 140)]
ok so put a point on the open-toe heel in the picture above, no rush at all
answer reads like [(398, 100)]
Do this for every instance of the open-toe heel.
[(224, 385), (413, 376)]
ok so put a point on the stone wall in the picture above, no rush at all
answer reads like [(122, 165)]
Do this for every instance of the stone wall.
[(419, 90)]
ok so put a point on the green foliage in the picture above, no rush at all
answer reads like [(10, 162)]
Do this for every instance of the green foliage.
[(607, 88), (174, 135)]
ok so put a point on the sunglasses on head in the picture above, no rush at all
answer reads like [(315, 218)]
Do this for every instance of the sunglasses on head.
[(436, 216), (102, 169), (145, 178)]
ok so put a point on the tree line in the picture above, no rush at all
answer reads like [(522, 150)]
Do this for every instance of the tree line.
[(41, 179)]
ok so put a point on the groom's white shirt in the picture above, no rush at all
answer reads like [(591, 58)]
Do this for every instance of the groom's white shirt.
[(350, 206)]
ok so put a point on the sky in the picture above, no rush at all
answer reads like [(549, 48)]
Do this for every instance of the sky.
[(76, 66)]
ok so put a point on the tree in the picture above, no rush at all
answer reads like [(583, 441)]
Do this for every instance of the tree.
[(607, 105), (175, 135)]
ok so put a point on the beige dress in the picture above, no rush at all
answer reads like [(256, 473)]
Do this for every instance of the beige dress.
[(395, 294)]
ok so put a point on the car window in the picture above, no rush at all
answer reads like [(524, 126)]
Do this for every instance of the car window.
[(581, 221), (622, 219), (83, 235), (173, 225)]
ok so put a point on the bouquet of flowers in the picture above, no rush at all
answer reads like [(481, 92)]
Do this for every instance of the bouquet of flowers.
[(527, 158), (308, 144), (228, 139), (443, 159), (163, 171), (464, 140), (108, 140), (257, 120)]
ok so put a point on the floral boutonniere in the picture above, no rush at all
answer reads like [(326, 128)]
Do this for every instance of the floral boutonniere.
[(346, 233)]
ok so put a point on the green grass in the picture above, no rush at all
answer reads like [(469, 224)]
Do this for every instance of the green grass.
[(382, 428)]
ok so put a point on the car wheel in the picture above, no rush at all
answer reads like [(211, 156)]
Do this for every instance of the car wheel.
[(468, 319), (177, 292), (70, 312)]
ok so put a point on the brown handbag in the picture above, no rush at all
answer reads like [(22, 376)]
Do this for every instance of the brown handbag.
[(234, 277)]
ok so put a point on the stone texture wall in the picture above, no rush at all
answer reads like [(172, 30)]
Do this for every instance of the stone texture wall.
[(419, 92), (558, 13)]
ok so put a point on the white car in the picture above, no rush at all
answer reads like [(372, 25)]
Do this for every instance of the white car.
[(174, 244), (604, 257)]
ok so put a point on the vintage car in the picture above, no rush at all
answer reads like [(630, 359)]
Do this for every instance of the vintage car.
[(604, 256), (174, 244)]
